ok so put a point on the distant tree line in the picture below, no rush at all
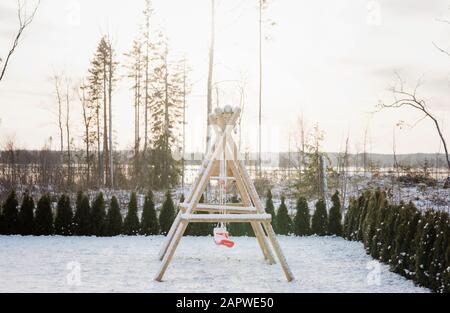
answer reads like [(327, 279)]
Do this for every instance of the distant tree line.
[(414, 243)]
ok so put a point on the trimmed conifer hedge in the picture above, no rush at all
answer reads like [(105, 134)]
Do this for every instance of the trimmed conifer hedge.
[(415, 244)]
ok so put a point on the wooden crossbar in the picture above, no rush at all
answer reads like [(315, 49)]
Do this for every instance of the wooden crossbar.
[(218, 208), (225, 177), (230, 218)]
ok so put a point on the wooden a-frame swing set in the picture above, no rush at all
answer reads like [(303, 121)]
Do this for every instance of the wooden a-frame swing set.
[(223, 164)]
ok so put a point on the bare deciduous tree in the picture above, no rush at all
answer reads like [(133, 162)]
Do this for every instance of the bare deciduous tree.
[(343, 173), (148, 45), (134, 67), (57, 82), (241, 85), (25, 19), (210, 75), (396, 165), (406, 99), (261, 8), (67, 124), (186, 90), (364, 160), (111, 79), (10, 151), (88, 113)]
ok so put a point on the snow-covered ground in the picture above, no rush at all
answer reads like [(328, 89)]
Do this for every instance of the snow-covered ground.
[(128, 264)]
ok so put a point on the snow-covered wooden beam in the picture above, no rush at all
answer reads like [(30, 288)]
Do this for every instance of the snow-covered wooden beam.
[(219, 208), (238, 218), (224, 178)]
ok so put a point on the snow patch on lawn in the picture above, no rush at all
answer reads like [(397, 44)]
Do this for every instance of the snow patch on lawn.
[(128, 264)]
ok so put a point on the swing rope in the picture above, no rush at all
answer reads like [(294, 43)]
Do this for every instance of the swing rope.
[(222, 184), (221, 235)]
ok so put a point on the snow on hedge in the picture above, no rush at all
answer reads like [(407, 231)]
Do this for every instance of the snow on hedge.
[(128, 264)]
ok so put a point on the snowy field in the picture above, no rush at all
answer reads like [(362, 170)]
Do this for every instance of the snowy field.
[(128, 264)]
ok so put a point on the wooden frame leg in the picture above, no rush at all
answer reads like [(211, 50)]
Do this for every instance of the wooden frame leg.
[(266, 243), (171, 250), (263, 243), (267, 225), (169, 237), (278, 252), (260, 243), (257, 229)]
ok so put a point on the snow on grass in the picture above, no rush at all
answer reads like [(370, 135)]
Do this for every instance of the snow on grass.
[(128, 264)]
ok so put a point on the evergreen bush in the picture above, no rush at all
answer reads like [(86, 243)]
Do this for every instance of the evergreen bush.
[(302, 218), (131, 222), (319, 219)]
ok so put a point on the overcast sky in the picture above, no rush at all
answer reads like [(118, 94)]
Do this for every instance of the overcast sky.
[(330, 60)]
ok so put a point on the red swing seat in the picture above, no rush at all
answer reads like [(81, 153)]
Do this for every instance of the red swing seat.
[(221, 237)]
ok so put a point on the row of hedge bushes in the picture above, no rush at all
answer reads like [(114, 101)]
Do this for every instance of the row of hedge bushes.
[(99, 218), (415, 244), (90, 218), (321, 223)]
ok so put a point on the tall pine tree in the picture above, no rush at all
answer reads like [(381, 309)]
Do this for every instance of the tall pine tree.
[(131, 222), (284, 222), (335, 218), (319, 219), (26, 215), (302, 219), (64, 215), (102, 80), (167, 113), (149, 221), (114, 218), (43, 222)]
